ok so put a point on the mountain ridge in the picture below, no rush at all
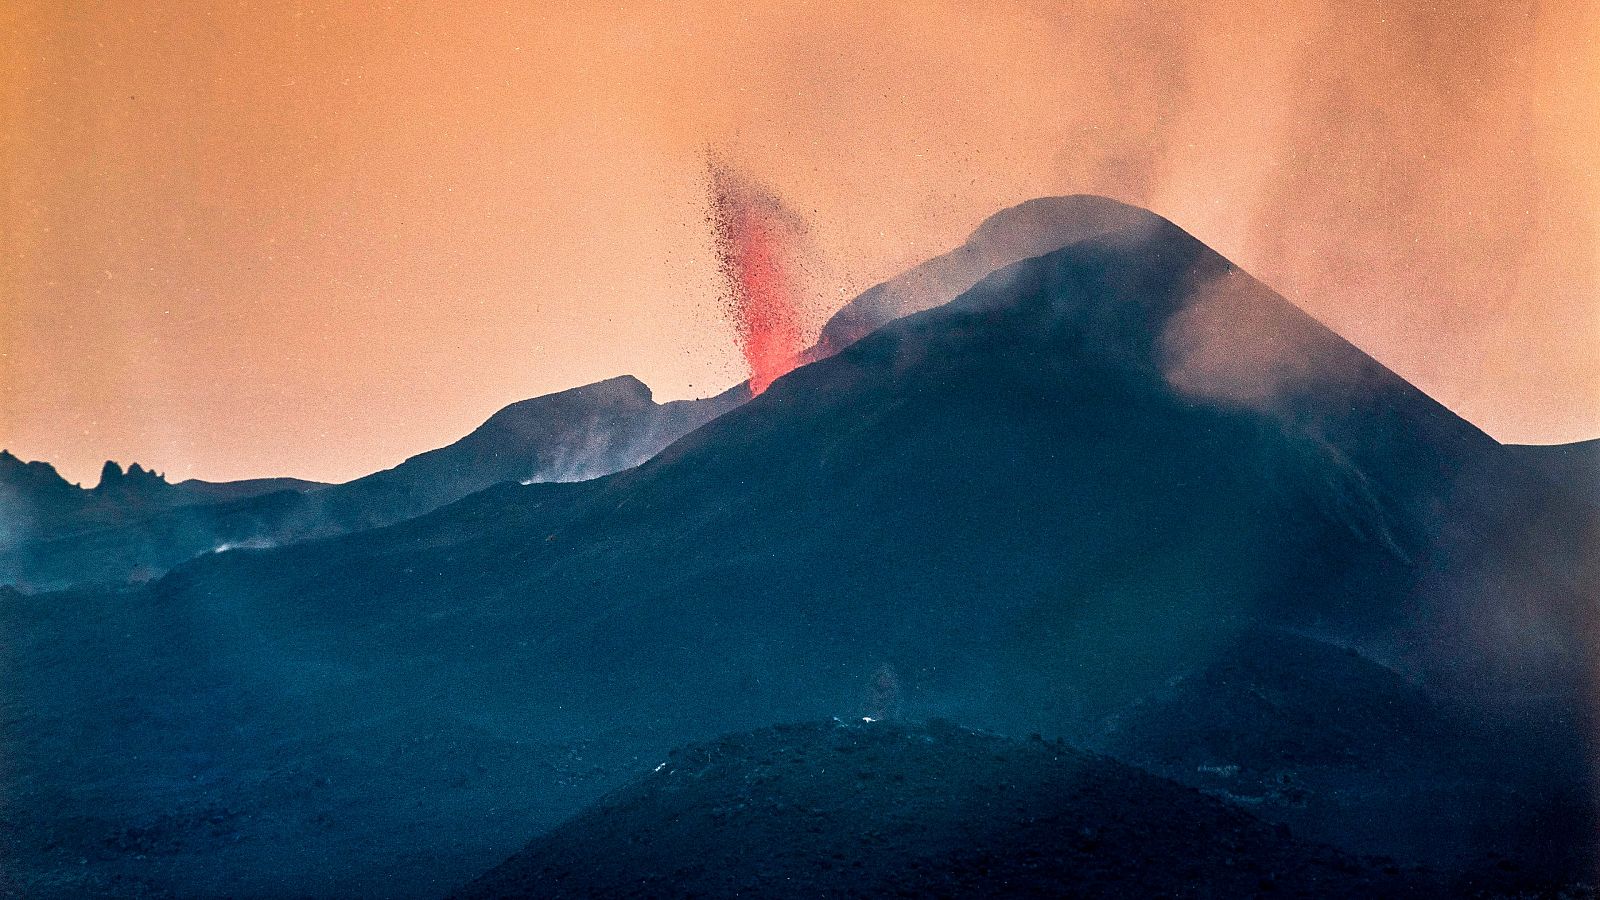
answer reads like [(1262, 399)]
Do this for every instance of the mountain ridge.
[(135, 525)]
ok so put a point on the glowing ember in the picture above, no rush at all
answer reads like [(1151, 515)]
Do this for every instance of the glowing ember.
[(757, 239)]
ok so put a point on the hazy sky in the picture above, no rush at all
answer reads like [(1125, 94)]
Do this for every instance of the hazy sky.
[(312, 238)]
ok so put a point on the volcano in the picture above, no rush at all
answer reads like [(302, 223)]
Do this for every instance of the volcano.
[(1040, 506), (62, 538)]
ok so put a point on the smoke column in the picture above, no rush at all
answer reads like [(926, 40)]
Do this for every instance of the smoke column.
[(757, 239)]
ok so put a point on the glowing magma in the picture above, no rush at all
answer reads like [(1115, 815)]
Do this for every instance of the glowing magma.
[(757, 239)]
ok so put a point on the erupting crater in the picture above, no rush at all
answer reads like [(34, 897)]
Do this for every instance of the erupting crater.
[(757, 239)]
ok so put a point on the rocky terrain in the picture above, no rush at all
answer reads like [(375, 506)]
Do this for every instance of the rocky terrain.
[(882, 809)]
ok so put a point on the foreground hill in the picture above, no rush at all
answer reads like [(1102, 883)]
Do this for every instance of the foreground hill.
[(878, 809), (1032, 509)]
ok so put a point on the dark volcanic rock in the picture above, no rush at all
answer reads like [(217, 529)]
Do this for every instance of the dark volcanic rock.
[(1575, 466), (137, 484), (1329, 742), (886, 810)]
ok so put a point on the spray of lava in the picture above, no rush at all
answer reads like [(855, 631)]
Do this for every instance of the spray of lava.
[(758, 242)]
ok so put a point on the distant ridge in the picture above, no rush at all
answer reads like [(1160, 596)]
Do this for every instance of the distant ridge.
[(41, 478), (572, 435), (134, 525)]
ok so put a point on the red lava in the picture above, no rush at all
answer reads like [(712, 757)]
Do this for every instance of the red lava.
[(756, 238)]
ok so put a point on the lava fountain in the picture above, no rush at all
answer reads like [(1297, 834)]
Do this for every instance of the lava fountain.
[(758, 241)]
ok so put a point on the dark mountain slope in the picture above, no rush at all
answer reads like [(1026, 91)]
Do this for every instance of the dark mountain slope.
[(1330, 743), (884, 810), (1026, 510), (1576, 465), (1234, 343)]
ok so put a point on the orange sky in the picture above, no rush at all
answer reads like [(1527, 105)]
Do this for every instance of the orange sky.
[(311, 238)]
